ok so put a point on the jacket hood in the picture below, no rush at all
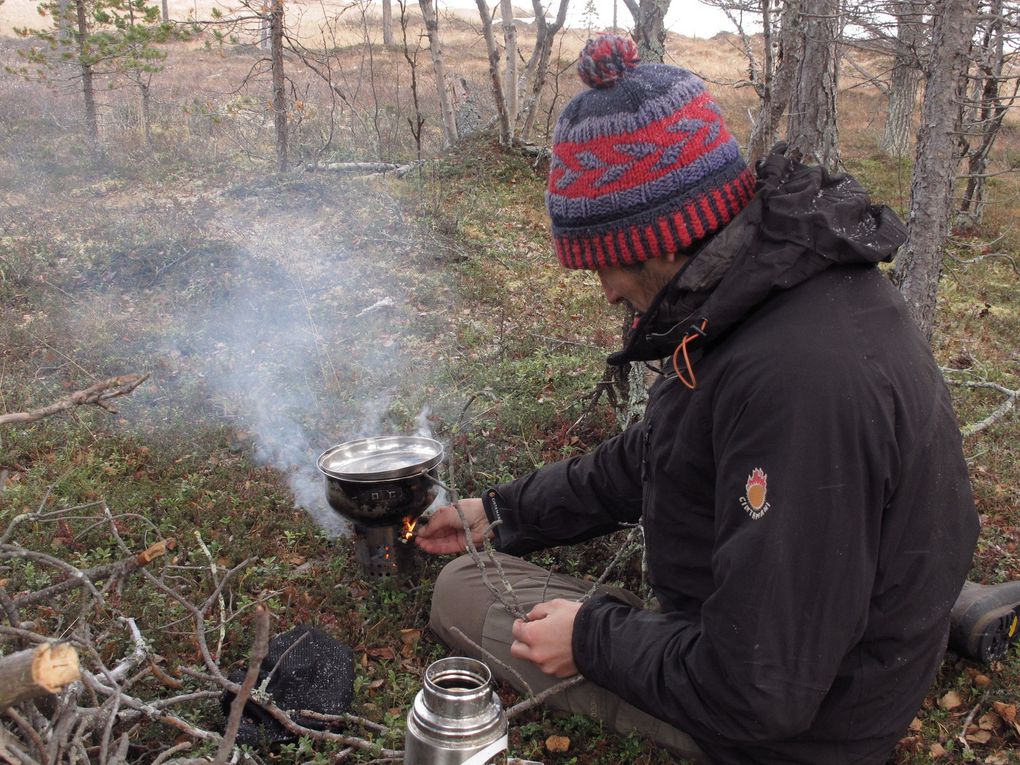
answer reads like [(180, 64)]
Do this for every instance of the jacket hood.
[(801, 221)]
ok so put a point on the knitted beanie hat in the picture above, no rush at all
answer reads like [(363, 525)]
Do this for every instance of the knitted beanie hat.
[(642, 164)]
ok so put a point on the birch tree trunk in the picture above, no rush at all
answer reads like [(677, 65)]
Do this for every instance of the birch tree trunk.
[(387, 22), (494, 76), (538, 65), (87, 82), (919, 263), (166, 10), (279, 85), (510, 79), (906, 76), (649, 28), (811, 127), (428, 12)]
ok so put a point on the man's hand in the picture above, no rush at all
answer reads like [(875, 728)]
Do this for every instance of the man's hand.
[(545, 640), (444, 532)]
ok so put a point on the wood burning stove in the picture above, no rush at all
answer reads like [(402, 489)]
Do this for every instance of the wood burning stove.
[(382, 485)]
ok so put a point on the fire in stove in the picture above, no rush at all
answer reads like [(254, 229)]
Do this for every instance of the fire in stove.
[(410, 524)]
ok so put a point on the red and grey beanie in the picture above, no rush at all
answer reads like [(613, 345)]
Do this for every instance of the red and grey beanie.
[(642, 164)]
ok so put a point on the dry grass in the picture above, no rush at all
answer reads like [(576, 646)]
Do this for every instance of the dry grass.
[(125, 268)]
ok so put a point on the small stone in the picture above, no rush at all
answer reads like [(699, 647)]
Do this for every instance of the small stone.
[(557, 744)]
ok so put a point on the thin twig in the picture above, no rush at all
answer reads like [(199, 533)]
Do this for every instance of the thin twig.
[(222, 604), (346, 717), (962, 738), (269, 676), (28, 730), (534, 701), (626, 549), (258, 652), (997, 414), (494, 660), (175, 749)]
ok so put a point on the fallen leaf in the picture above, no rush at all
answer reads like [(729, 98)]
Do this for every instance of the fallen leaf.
[(910, 744), (936, 750), (999, 758), (1006, 711), (990, 721), (979, 737), (557, 744), (377, 683), (409, 638), (950, 701), (982, 681), (384, 652), (916, 725)]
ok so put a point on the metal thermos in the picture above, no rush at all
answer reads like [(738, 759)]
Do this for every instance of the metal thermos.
[(456, 718)]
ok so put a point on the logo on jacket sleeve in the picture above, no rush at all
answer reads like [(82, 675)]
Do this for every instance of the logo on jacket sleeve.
[(755, 491)]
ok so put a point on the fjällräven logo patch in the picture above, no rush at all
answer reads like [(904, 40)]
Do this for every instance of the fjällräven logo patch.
[(755, 491)]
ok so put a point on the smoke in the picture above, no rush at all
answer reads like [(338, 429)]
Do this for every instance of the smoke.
[(423, 427), (300, 359)]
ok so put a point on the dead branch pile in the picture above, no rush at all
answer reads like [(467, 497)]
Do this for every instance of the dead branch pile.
[(80, 679)]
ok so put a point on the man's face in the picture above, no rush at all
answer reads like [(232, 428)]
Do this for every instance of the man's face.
[(637, 285)]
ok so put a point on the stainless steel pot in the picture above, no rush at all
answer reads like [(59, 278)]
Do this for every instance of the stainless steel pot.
[(380, 481)]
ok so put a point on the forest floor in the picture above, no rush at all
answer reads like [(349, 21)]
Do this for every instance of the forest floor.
[(277, 315)]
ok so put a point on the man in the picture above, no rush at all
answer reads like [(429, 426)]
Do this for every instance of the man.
[(807, 515)]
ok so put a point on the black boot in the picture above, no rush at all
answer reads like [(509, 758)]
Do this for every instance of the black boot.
[(984, 620)]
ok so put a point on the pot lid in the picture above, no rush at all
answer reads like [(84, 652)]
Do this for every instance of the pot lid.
[(381, 458)]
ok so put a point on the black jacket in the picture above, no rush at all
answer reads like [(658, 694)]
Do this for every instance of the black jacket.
[(806, 507)]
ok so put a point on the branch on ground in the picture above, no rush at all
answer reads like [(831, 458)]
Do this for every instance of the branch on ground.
[(97, 395)]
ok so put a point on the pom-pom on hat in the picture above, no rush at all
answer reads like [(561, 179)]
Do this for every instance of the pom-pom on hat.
[(642, 164)]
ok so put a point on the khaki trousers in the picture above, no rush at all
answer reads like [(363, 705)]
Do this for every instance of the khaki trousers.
[(461, 602)]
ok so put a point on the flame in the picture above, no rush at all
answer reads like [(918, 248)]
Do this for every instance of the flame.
[(757, 478), (408, 533)]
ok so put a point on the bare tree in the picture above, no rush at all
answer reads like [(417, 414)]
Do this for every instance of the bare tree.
[(811, 126), (511, 86), (994, 91), (770, 73), (919, 263), (502, 115), (279, 84), (906, 75), (87, 81), (649, 27), (537, 69), (417, 123), (387, 22), (783, 45), (428, 10)]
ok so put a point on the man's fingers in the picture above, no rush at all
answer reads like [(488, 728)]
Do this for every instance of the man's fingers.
[(517, 630), (539, 612), (520, 650)]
